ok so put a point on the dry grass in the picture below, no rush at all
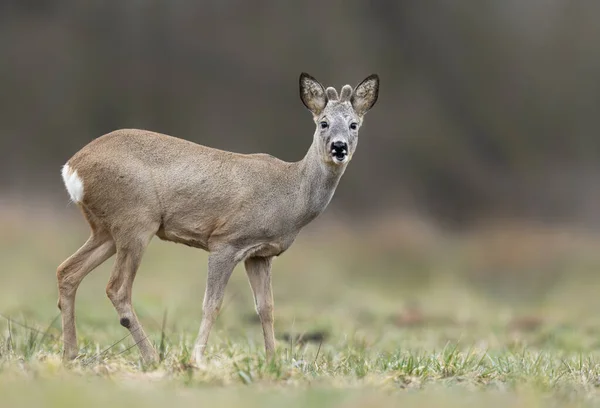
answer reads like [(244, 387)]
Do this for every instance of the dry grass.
[(382, 315)]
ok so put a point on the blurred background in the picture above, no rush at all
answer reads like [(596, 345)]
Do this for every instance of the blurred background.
[(481, 158), (486, 109)]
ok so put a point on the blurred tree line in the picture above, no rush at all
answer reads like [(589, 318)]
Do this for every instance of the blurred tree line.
[(486, 108)]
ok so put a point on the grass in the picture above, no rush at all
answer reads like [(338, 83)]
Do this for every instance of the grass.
[(387, 315)]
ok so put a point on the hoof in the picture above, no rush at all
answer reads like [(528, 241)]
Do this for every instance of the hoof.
[(196, 365), (197, 361), (69, 357)]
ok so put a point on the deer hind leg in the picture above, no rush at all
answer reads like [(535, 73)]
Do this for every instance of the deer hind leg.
[(119, 288), (259, 276), (220, 267), (98, 248)]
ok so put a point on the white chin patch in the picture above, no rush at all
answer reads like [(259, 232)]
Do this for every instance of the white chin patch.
[(73, 183), (337, 160)]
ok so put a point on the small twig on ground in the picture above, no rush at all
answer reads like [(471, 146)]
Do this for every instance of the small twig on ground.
[(90, 360), (47, 332), (318, 350), (33, 329), (161, 346)]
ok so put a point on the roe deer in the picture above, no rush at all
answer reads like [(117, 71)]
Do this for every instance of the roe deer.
[(133, 184)]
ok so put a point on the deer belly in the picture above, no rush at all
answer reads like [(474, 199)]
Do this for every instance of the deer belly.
[(187, 236), (268, 249)]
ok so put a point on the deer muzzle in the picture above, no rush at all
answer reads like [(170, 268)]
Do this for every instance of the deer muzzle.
[(339, 151)]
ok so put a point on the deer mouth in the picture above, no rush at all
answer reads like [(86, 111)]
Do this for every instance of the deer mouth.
[(339, 158)]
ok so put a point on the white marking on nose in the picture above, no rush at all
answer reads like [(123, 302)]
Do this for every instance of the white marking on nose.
[(73, 183)]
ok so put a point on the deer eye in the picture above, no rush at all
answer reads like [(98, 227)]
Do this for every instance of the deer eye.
[(324, 125), (353, 126)]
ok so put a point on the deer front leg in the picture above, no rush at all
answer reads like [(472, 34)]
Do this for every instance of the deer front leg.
[(259, 276), (220, 267)]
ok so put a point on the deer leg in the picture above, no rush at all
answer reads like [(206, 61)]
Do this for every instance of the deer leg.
[(220, 267), (119, 290), (98, 248), (259, 276)]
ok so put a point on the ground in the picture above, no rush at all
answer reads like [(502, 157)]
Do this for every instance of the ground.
[(396, 313)]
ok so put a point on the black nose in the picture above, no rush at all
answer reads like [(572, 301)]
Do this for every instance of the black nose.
[(339, 147)]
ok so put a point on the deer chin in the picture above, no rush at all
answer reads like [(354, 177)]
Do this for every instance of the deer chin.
[(340, 159)]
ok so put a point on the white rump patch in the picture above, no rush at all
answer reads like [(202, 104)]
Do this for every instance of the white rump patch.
[(73, 183)]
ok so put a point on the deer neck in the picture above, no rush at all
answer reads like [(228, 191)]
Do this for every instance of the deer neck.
[(318, 181)]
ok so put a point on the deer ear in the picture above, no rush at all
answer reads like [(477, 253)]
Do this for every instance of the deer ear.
[(312, 94), (365, 95)]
